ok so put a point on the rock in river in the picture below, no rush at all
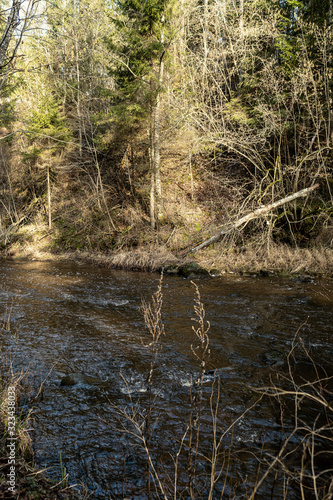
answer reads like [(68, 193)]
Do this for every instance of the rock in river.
[(193, 270), (273, 358), (79, 379)]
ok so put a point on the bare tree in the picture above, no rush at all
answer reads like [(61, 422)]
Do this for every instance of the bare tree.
[(15, 22), (12, 22)]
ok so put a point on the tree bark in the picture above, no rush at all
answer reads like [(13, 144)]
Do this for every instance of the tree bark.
[(49, 208), (152, 174), (155, 142), (76, 8), (253, 215), (9, 30)]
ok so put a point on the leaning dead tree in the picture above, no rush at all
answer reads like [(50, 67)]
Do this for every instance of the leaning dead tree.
[(253, 215)]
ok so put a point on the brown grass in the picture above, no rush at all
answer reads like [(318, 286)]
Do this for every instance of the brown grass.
[(276, 258), (35, 242), (23, 437)]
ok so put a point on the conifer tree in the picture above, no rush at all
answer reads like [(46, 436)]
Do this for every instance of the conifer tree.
[(139, 72)]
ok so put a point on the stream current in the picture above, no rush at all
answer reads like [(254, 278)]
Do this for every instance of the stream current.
[(75, 319)]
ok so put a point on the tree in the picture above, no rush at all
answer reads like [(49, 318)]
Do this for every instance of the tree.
[(139, 73), (11, 25), (64, 95), (48, 135), (257, 91), (16, 24)]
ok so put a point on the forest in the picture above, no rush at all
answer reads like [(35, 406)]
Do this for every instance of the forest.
[(191, 137), (133, 131)]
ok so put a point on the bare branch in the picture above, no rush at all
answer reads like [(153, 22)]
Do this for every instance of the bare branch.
[(253, 215)]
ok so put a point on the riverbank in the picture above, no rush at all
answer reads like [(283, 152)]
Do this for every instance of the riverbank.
[(37, 243)]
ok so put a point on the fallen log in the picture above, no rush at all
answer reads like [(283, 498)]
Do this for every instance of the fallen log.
[(253, 215)]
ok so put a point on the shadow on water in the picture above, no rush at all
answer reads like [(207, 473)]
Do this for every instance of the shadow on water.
[(75, 319)]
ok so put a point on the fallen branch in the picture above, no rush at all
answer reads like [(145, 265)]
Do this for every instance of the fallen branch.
[(253, 215)]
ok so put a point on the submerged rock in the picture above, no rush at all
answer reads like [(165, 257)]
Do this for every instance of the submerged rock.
[(266, 272), (170, 269), (79, 379), (273, 358), (305, 279), (193, 270), (217, 373)]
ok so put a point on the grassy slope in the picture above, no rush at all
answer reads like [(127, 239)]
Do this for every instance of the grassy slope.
[(197, 200)]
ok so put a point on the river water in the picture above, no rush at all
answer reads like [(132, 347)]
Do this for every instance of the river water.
[(75, 319)]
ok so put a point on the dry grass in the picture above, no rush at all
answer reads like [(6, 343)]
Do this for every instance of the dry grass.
[(276, 258), (196, 203), (147, 260), (31, 241), (132, 260), (22, 424), (35, 243)]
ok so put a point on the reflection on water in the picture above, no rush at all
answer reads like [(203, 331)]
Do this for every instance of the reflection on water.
[(83, 320)]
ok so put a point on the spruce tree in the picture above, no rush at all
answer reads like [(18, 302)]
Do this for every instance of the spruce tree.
[(139, 70)]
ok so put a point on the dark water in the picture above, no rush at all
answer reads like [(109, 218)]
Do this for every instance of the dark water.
[(78, 319)]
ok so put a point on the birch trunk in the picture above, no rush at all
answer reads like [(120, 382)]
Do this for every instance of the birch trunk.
[(49, 207), (9, 30)]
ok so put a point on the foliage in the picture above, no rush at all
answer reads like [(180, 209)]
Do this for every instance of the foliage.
[(48, 122), (235, 96), (137, 45)]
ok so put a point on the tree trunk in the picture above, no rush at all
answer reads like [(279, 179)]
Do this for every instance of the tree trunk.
[(204, 23), (49, 208), (9, 30), (330, 113), (155, 141), (78, 83), (157, 144), (152, 172), (241, 29)]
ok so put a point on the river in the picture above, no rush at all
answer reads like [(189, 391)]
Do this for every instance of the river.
[(75, 319)]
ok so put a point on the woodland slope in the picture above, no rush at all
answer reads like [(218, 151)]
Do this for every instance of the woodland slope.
[(133, 131)]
